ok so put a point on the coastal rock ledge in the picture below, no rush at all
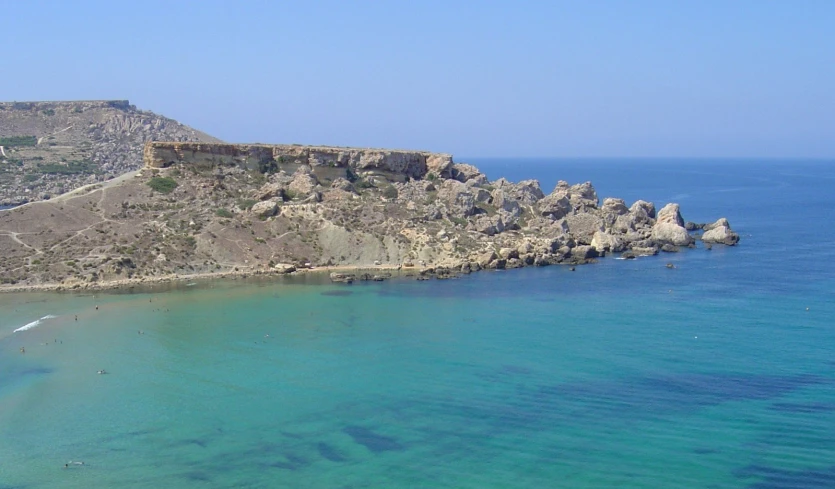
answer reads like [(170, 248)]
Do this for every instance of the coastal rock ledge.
[(210, 209)]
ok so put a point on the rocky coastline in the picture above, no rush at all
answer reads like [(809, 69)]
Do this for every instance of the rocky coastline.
[(220, 210)]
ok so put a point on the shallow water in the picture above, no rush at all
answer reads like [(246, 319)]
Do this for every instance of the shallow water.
[(622, 373)]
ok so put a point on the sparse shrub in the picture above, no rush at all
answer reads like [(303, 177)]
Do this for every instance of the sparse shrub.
[(163, 185), (390, 192), (246, 204), (223, 213), (431, 177), (19, 141), (363, 184), (48, 112)]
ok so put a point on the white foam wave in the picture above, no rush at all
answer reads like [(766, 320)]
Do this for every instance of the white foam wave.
[(34, 324)]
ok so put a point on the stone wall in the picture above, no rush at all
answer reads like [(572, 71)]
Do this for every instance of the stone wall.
[(326, 162)]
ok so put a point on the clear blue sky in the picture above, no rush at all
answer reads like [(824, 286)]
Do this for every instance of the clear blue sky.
[(604, 78)]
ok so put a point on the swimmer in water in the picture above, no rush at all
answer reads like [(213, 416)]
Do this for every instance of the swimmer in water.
[(102, 371), (97, 307), (22, 350)]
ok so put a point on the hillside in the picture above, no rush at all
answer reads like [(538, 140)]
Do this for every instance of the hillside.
[(199, 208), (48, 148)]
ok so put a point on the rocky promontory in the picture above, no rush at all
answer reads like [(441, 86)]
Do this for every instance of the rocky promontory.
[(211, 208)]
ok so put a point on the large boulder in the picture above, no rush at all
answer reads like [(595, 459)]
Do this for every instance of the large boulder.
[(670, 213), (528, 192), (555, 206), (489, 225), (302, 185), (503, 201), (582, 195), (439, 165), (583, 226), (458, 198), (721, 222), (270, 190), (720, 232), (267, 208), (606, 242), (614, 206), (463, 172), (670, 233), (643, 208)]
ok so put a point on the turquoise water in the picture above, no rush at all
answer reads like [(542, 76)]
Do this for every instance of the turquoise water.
[(621, 374)]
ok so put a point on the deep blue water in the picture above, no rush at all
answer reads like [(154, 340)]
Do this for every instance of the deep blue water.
[(719, 373)]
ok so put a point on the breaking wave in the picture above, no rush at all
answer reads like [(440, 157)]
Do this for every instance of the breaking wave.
[(34, 323)]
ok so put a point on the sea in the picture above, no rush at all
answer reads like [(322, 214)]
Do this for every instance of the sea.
[(717, 373)]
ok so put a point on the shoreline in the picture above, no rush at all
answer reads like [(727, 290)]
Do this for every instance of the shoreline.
[(130, 283)]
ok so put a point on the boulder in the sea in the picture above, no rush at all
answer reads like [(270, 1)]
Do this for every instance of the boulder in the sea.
[(670, 213), (670, 233), (338, 277), (720, 232)]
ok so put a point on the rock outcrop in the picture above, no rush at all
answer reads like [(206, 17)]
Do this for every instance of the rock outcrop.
[(720, 232), (206, 208)]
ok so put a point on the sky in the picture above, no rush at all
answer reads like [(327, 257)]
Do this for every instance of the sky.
[(480, 78)]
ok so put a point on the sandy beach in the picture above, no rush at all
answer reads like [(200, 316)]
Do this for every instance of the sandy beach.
[(128, 283)]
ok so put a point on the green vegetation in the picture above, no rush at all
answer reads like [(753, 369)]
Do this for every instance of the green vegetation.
[(363, 184), (431, 177), (49, 112), (458, 220), (19, 141), (30, 177), (71, 168), (246, 204), (390, 192), (163, 185), (224, 213)]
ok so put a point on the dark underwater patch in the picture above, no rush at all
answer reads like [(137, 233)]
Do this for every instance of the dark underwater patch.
[(675, 393), (197, 476), (373, 441), (291, 462), (774, 478), (330, 453), (337, 293), (803, 407)]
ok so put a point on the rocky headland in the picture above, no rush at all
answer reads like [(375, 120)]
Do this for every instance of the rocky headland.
[(210, 209), (49, 148)]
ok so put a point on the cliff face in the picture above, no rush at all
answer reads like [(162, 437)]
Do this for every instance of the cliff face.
[(326, 163), (48, 148)]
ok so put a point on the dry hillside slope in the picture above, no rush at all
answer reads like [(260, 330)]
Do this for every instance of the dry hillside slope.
[(48, 148)]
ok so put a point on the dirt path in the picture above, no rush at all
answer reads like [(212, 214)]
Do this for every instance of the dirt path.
[(3, 151)]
